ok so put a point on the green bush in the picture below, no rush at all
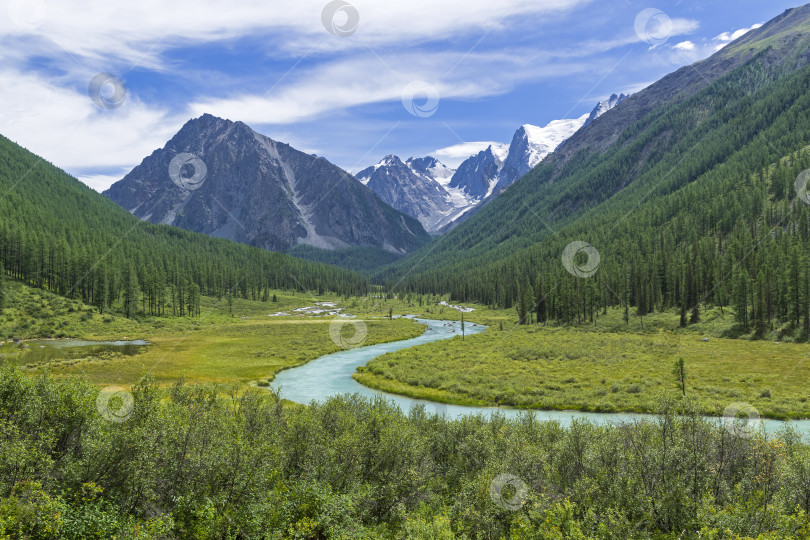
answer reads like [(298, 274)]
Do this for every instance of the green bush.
[(198, 461)]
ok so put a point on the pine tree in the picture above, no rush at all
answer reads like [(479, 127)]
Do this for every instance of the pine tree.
[(641, 310), (741, 299), (761, 308), (2, 288), (695, 316), (193, 299), (131, 291), (806, 303), (229, 301), (101, 289), (540, 306)]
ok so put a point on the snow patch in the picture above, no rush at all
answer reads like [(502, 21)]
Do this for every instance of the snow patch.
[(544, 140)]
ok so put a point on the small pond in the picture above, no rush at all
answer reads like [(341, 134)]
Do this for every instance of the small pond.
[(51, 350)]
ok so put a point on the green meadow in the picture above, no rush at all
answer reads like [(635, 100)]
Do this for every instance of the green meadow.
[(609, 366), (241, 343)]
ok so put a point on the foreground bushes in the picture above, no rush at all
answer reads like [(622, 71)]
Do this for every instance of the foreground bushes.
[(200, 462)]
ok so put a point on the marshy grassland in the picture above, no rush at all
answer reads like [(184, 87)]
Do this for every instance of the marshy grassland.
[(604, 367), (217, 347), (607, 366)]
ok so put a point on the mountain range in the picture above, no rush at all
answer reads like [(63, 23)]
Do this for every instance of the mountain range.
[(678, 188), (439, 197), (687, 191)]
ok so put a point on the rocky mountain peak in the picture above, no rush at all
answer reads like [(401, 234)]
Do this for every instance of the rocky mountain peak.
[(221, 178)]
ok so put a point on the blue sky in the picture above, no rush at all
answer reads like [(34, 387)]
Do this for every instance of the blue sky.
[(334, 79)]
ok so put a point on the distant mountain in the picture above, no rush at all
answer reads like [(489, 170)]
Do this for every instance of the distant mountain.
[(231, 182), (605, 106), (492, 170), (59, 235), (531, 144), (432, 168), (477, 175), (410, 189), (439, 196)]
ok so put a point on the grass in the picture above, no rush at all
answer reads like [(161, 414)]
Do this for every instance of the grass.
[(606, 367), (215, 347)]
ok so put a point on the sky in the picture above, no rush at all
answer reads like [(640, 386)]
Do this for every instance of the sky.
[(94, 87)]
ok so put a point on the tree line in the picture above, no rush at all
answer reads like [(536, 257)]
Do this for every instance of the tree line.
[(59, 235)]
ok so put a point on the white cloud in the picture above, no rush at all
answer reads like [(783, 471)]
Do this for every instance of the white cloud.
[(728, 37), (689, 51), (138, 32), (52, 115), (54, 118), (452, 156), (66, 128), (371, 79), (682, 27), (101, 182)]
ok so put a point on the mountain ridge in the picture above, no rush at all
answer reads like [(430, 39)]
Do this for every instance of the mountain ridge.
[(409, 186), (261, 192), (630, 154)]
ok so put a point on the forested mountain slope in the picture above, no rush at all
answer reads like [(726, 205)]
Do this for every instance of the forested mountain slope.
[(673, 187), (57, 233)]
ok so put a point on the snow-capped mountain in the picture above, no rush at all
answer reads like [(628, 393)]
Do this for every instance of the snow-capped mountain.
[(604, 106), (531, 144), (411, 186), (415, 188), (477, 175)]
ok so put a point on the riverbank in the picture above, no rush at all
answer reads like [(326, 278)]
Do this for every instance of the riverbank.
[(533, 367)]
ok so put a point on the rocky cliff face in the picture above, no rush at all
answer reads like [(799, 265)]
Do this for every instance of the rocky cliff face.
[(223, 179), (410, 188), (439, 197), (477, 175), (604, 106)]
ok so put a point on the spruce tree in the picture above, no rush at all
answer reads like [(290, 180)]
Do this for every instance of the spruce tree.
[(741, 299), (2, 288), (131, 291)]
